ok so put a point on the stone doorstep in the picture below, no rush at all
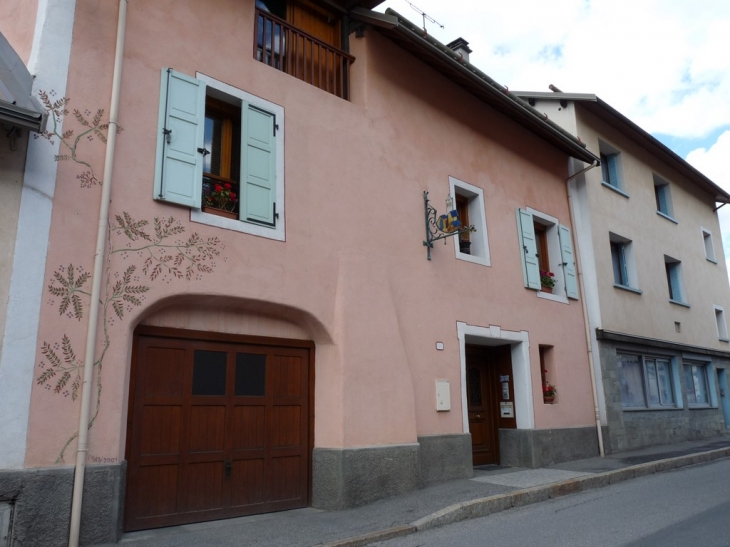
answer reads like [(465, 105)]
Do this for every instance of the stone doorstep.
[(519, 498)]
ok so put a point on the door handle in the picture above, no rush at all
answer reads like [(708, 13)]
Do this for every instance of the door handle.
[(229, 468)]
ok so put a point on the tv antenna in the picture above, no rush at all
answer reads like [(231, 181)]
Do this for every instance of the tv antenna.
[(425, 16)]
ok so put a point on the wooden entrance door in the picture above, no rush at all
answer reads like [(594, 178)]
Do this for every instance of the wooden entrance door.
[(217, 429), (488, 384), (481, 384)]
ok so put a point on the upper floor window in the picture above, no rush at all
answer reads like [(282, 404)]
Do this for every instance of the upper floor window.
[(709, 247), (469, 200), (674, 280), (220, 149), (721, 323), (303, 39), (546, 250), (663, 195), (611, 168), (622, 259)]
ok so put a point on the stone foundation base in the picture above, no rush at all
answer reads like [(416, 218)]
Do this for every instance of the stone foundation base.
[(348, 477), (41, 504), (540, 447)]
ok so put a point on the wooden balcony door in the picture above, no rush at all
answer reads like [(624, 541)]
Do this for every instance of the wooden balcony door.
[(217, 430)]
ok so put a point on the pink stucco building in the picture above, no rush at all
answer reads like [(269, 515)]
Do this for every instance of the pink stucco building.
[(271, 333)]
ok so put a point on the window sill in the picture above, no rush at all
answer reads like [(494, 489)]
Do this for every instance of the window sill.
[(651, 408), (617, 190), (678, 303), (667, 217), (701, 407), (554, 297), (472, 258), (277, 233), (724, 339), (711, 260), (627, 288)]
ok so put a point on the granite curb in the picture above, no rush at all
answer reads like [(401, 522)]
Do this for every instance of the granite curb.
[(494, 504)]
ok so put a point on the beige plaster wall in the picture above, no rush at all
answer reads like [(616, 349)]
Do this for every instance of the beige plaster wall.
[(705, 283), (352, 274), (12, 168), (17, 24)]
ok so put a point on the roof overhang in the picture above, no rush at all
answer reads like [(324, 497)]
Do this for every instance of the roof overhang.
[(452, 65), (17, 107), (605, 112)]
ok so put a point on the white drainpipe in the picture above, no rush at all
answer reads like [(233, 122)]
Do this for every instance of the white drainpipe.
[(81, 452), (581, 285)]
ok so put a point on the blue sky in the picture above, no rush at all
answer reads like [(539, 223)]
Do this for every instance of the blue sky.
[(663, 63)]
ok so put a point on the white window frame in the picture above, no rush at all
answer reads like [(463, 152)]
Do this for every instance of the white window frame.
[(709, 250), (721, 324), (629, 263), (477, 218), (614, 155), (666, 189), (674, 379), (220, 90), (559, 293)]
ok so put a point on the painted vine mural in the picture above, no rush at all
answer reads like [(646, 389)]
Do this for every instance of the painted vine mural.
[(158, 251)]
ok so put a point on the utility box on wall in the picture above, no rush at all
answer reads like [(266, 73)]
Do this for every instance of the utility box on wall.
[(443, 396)]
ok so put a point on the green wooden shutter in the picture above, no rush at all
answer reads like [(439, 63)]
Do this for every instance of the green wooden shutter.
[(528, 249), (568, 260), (181, 132), (258, 186)]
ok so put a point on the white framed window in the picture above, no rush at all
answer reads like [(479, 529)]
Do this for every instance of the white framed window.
[(721, 323), (675, 283), (220, 151), (611, 168), (663, 195), (708, 245), (546, 250), (648, 381), (623, 262), (469, 202)]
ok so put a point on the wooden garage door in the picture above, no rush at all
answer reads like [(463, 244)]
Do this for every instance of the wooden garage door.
[(217, 430)]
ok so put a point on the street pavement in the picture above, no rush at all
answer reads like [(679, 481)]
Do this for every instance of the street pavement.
[(443, 503), (684, 507)]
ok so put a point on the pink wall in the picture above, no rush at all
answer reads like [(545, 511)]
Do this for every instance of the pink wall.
[(352, 274), (17, 24)]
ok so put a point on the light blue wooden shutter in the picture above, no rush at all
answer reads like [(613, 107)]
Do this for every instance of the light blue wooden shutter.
[(675, 286), (528, 249), (259, 166), (568, 260), (181, 132), (613, 171)]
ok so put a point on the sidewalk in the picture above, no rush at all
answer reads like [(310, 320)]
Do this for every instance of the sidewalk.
[(492, 489)]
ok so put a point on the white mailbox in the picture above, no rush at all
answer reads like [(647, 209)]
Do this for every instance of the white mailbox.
[(443, 396)]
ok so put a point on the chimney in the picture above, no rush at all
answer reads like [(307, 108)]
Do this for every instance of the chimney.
[(460, 46)]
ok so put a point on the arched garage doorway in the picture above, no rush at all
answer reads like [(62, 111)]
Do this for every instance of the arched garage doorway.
[(219, 426)]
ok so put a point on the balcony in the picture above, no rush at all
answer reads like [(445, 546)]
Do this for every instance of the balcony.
[(286, 48)]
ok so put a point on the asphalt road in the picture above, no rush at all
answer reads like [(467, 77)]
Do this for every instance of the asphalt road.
[(689, 507)]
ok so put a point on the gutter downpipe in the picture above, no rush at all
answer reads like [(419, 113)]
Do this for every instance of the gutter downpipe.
[(584, 307), (82, 449)]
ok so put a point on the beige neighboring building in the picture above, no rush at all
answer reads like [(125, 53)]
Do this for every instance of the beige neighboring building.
[(654, 277)]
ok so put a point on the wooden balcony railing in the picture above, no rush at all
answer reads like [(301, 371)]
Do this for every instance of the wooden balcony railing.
[(286, 48)]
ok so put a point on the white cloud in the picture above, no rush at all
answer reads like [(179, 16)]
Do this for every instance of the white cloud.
[(663, 63)]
